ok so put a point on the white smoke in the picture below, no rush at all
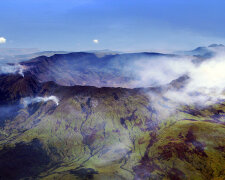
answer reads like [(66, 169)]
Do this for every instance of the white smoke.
[(29, 100), (12, 69)]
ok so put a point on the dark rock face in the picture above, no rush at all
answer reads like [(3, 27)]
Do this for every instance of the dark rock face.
[(23, 160)]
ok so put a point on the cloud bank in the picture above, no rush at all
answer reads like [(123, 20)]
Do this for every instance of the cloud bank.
[(159, 71), (205, 86)]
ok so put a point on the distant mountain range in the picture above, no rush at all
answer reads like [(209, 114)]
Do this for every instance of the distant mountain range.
[(204, 52), (7, 52), (23, 54), (14, 55)]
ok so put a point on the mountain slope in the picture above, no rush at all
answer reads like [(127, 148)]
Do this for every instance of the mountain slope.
[(106, 133)]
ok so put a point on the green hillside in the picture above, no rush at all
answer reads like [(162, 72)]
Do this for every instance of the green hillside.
[(109, 133)]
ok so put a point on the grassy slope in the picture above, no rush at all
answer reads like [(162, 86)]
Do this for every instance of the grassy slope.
[(115, 134)]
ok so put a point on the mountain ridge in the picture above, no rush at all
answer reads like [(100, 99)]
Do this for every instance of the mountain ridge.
[(84, 68)]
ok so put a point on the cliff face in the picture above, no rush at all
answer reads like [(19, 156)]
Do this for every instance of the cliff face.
[(104, 133)]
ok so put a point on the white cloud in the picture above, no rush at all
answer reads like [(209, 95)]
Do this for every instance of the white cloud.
[(8, 69), (96, 41), (2, 40), (28, 100), (205, 86), (159, 71)]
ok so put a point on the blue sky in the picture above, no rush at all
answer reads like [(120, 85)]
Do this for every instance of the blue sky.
[(125, 25)]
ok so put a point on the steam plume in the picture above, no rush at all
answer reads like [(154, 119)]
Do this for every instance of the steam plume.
[(12, 69), (28, 100)]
